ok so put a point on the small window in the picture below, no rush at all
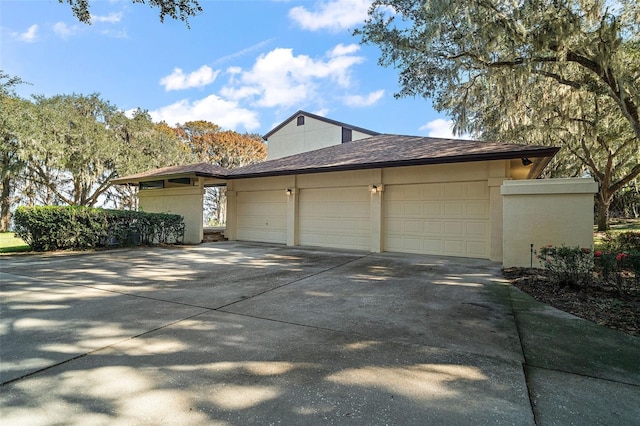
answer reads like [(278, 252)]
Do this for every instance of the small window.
[(301, 120), (346, 135), (152, 184), (181, 181)]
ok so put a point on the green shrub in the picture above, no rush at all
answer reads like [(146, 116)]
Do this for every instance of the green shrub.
[(61, 228), (568, 265), (626, 242)]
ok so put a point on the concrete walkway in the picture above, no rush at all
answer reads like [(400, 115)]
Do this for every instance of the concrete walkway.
[(236, 334)]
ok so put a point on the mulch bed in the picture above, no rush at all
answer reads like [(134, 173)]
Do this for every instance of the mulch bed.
[(617, 308)]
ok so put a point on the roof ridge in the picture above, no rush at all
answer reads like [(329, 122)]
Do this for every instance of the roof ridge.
[(321, 118)]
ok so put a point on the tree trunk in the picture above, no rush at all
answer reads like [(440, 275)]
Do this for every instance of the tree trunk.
[(222, 206), (5, 205), (603, 202)]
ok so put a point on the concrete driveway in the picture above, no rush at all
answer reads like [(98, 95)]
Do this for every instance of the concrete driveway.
[(237, 334)]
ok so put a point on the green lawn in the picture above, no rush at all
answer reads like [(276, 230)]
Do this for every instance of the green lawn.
[(9, 243), (617, 226)]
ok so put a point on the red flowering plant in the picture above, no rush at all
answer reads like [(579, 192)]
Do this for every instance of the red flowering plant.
[(619, 262)]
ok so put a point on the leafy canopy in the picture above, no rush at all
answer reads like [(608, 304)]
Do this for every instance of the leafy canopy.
[(555, 72), (175, 9)]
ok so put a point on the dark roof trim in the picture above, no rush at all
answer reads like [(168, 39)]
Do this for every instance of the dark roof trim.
[(187, 170), (542, 156), (318, 117)]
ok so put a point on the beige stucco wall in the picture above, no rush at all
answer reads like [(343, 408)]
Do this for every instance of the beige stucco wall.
[(541, 212), (493, 173), (185, 201), (314, 134)]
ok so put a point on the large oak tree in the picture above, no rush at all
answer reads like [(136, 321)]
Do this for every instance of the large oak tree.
[(563, 72)]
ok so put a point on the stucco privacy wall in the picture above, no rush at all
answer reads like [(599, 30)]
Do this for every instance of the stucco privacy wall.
[(453, 209), (542, 212), (185, 201)]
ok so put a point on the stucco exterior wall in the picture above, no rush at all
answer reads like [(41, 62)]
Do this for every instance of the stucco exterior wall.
[(542, 212), (314, 134), (185, 201)]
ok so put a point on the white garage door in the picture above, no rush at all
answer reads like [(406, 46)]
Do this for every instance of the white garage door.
[(262, 216), (335, 217), (440, 218)]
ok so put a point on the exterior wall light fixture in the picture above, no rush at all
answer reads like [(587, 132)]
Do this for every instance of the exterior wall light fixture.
[(526, 162), (288, 191)]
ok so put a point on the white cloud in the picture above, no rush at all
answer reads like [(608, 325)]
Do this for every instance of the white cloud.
[(363, 101), (342, 50), (111, 18), (226, 114), (279, 78), (333, 15), (441, 128), (244, 51), (28, 36), (63, 30), (178, 80)]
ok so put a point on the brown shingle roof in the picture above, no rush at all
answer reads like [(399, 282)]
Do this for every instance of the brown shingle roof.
[(373, 152), (390, 151)]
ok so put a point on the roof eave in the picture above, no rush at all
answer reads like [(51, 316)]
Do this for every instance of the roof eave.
[(543, 154), (136, 180)]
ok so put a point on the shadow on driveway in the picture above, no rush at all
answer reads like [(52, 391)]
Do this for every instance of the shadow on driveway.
[(237, 334)]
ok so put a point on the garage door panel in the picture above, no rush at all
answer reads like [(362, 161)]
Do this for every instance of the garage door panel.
[(454, 208), (477, 208), (454, 228), (413, 209), (262, 216), (335, 217), (437, 218), (433, 227), (476, 191), (433, 208), (476, 248), (477, 230), (454, 247), (454, 191)]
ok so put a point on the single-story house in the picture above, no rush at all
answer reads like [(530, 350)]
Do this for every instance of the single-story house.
[(330, 184)]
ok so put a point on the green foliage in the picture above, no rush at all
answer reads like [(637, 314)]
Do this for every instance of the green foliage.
[(74, 227), (549, 72), (568, 265), (14, 119), (175, 9), (626, 241), (619, 258)]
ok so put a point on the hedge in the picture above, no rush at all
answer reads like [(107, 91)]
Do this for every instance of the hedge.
[(47, 228)]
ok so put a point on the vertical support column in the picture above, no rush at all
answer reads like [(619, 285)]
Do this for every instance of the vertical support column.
[(499, 171), (496, 221), (292, 216), (376, 190), (376, 217), (231, 228)]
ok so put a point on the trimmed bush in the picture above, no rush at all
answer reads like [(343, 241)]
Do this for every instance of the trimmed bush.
[(568, 265), (47, 228)]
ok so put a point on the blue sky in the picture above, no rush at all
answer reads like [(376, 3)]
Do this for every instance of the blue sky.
[(244, 65)]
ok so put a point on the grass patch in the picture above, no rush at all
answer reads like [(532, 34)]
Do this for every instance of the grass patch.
[(616, 227), (10, 243)]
